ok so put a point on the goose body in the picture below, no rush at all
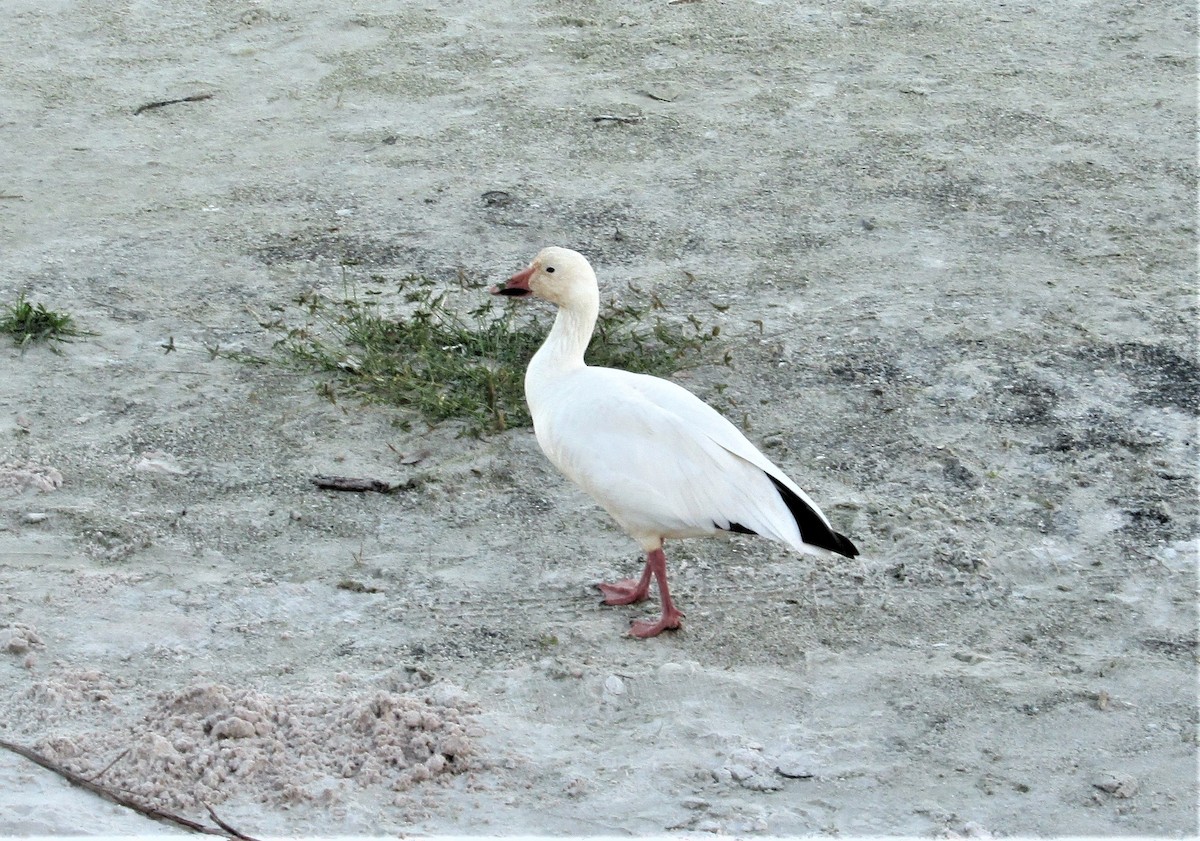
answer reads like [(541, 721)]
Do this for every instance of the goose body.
[(659, 460)]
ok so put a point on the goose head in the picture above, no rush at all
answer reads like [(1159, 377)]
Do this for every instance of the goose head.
[(558, 275)]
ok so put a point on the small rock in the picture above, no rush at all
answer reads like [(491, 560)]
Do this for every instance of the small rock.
[(497, 198), (795, 768), (741, 772), (157, 461), (748, 825), (155, 747), (663, 92), (233, 728), (695, 803), (1118, 785), (751, 756), (721, 775), (761, 782), (613, 685), (971, 657), (414, 457), (36, 517)]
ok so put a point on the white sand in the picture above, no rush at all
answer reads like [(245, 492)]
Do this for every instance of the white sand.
[(956, 246)]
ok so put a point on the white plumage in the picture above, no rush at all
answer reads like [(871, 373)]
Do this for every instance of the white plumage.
[(659, 460)]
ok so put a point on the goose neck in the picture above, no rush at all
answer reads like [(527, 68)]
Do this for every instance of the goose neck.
[(569, 338)]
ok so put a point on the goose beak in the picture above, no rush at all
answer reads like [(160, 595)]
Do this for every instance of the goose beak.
[(516, 286)]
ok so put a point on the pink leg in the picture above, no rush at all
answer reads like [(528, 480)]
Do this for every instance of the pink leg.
[(629, 591)]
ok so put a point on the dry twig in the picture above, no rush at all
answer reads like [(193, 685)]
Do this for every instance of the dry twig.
[(350, 483), (233, 831), (616, 118), (112, 796), (104, 770), (196, 97)]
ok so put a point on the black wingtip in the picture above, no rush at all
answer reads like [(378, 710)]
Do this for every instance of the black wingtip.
[(845, 547), (813, 530), (738, 528)]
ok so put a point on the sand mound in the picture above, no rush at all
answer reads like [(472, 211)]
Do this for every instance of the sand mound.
[(209, 743)]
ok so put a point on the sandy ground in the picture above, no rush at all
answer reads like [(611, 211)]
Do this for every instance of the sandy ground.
[(954, 244)]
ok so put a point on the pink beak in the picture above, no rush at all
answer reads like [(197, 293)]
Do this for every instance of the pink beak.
[(516, 286)]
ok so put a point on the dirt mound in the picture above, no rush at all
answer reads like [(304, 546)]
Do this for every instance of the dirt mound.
[(209, 742)]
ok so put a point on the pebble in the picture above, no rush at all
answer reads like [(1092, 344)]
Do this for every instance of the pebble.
[(761, 782), (157, 461), (233, 728), (663, 92), (741, 772), (1118, 785), (497, 198), (971, 657), (796, 768), (613, 685), (36, 516)]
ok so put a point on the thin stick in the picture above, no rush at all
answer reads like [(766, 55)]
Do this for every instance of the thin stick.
[(196, 97), (350, 483), (233, 831), (114, 797), (104, 770)]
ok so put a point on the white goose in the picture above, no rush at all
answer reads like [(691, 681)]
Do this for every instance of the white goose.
[(659, 460)]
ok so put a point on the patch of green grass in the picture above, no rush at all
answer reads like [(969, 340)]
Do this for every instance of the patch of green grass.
[(27, 323), (446, 363)]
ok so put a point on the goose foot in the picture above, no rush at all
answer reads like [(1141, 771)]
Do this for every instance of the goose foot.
[(625, 592), (644, 628)]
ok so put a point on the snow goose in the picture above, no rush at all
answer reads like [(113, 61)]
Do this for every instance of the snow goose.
[(660, 461)]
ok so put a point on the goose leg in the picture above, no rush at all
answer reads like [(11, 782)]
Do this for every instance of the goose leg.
[(656, 562), (629, 592)]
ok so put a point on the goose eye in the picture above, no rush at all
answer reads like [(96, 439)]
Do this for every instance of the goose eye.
[(549, 269)]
